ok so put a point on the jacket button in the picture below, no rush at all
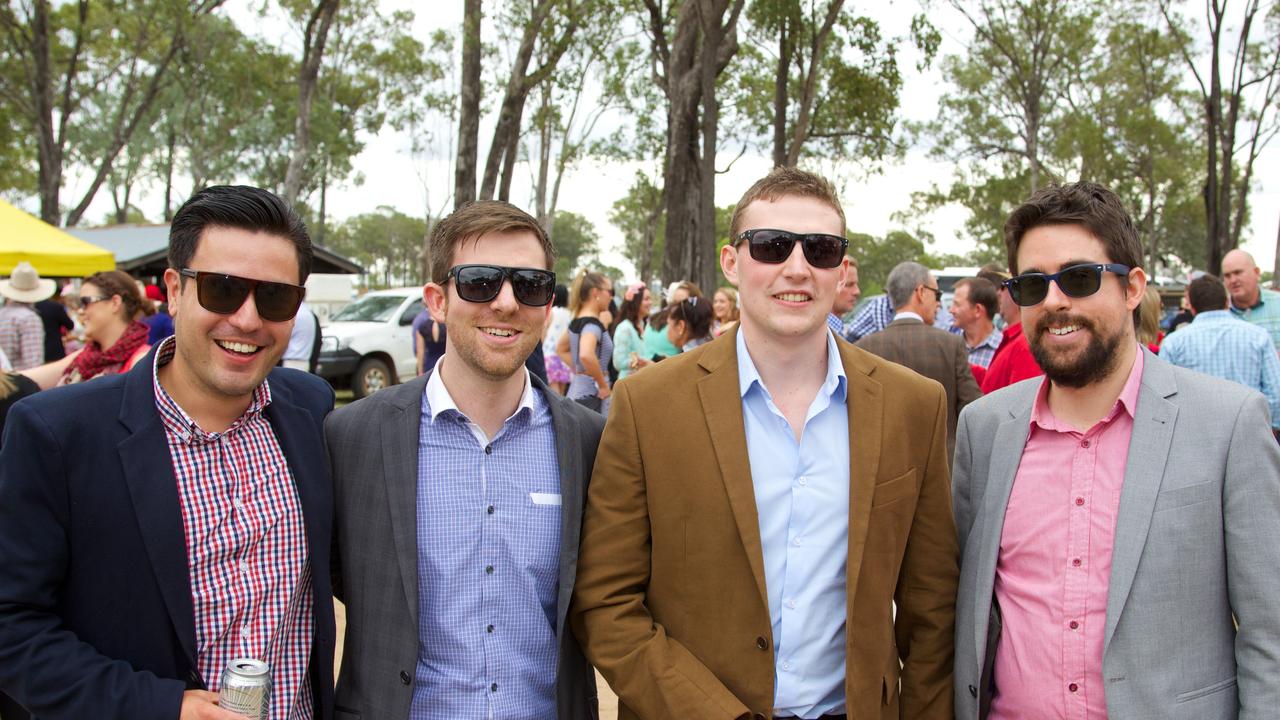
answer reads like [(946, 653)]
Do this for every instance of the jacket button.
[(973, 691), (404, 677), (762, 643)]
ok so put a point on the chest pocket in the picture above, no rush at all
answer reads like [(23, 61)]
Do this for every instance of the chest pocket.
[(539, 533)]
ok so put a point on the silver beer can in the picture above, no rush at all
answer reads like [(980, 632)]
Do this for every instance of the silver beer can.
[(246, 688)]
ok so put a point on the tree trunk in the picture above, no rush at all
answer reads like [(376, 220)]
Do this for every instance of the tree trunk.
[(544, 162), (49, 177), (314, 38), (464, 178), (171, 141), (781, 76), (509, 158), (804, 114), (1275, 268)]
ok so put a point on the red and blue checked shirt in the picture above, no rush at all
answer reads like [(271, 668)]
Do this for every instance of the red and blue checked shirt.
[(246, 547)]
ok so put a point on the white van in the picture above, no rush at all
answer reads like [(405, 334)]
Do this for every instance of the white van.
[(368, 345)]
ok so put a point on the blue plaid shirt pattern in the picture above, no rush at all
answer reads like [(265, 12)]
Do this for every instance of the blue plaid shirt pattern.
[(1219, 344), (984, 352), (872, 318), (488, 563), (1266, 314), (835, 323)]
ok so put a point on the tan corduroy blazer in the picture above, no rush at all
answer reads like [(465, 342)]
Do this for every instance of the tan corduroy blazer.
[(670, 602)]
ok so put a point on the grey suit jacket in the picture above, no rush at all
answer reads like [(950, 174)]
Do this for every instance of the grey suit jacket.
[(1197, 540), (373, 453), (935, 354)]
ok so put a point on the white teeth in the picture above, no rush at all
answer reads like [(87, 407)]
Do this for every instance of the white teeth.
[(499, 332), (1064, 330), (243, 348), (792, 297)]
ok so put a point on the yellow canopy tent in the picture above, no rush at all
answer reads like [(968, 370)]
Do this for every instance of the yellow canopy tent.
[(51, 251)]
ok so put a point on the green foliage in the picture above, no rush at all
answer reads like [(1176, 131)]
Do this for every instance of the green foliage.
[(638, 214), (576, 241), (389, 244)]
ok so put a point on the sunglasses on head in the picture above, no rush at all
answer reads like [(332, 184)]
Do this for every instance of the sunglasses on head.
[(482, 283), (774, 247), (1076, 281), (224, 294)]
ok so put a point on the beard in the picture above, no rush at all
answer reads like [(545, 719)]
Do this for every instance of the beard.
[(1095, 362)]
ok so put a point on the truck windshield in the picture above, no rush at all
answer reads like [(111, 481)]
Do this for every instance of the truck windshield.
[(370, 308)]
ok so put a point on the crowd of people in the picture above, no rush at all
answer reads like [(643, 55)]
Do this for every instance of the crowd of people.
[(765, 504)]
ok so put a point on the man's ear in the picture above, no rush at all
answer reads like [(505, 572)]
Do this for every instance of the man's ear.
[(729, 263), (436, 300)]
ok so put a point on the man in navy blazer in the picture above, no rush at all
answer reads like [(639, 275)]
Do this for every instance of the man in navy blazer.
[(155, 523)]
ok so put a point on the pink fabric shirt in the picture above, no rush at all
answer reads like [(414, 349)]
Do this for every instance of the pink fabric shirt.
[(1055, 563)]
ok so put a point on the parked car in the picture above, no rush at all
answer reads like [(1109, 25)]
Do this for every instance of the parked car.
[(368, 345)]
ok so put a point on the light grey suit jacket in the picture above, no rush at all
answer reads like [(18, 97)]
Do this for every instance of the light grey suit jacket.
[(373, 453), (1197, 540)]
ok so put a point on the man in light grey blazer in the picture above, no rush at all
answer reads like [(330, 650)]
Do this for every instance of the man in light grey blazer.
[(1119, 519), (459, 499)]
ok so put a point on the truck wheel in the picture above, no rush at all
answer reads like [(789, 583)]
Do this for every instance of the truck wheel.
[(371, 376)]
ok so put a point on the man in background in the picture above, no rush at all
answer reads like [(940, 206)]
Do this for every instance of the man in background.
[(973, 309), (21, 330), (1249, 300), (846, 297)]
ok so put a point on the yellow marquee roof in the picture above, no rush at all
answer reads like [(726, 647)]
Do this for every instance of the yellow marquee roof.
[(53, 252)]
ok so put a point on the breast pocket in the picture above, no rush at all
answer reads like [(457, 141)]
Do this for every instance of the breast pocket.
[(539, 539), (891, 491)]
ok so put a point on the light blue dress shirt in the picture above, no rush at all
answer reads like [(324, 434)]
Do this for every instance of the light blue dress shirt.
[(802, 500), (1220, 344), (488, 562)]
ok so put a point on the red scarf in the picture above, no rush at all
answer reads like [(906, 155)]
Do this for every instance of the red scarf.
[(94, 361)]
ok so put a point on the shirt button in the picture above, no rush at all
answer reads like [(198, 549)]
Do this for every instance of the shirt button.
[(493, 687), (803, 481), (1074, 625), (797, 542), (488, 450), (1075, 562), (1073, 687), (244, 632), (786, 666), (404, 677), (489, 568), (1080, 501), (238, 503), (489, 629), (244, 567), (490, 509), (791, 604), (1084, 444)]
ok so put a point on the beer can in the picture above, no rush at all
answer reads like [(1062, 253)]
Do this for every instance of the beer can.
[(246, 688)]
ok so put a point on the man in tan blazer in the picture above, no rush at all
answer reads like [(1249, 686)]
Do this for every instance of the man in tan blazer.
[(762, 505), (912, 341)]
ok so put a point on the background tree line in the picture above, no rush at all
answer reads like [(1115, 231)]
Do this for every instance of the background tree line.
[(1169, 103)]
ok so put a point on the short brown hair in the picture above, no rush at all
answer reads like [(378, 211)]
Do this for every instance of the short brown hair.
[(981, 292), (471, 221), (783, 181), (1083, 203), (118, 282), (1207, 293)]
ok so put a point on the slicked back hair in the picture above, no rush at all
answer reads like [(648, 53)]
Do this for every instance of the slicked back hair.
[(471, 221), (782, 182), (241, 207)]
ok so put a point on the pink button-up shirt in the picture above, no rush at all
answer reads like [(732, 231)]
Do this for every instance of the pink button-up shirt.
[(1055, 563)]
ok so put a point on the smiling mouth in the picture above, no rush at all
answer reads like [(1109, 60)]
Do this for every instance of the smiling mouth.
[(238, 348), (793, 297), (498, 332), (1065, 330)]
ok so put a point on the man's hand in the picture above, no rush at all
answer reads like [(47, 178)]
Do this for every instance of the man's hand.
[(203, 705)]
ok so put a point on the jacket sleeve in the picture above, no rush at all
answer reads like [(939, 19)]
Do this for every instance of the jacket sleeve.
[(653, 674), (966, 387), (926, 594), (1251, 506), (43, 665)]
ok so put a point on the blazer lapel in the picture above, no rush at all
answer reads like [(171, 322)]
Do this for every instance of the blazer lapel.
[(153, 487), (722, 407), (1006, 453), (399, 423), (1148, 452), (568, 457), (865, 406)]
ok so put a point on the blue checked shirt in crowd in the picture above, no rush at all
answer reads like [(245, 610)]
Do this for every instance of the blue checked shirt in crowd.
[(1218, 343), (984, 352), (1266, 314), (488, 562), (872, 318), (802, 504), (835, 323)]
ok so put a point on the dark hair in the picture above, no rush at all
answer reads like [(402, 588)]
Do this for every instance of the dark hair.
[(1207, 293), (981, 292), (696, 314), (1083, 203), (474, 219), (658, 320), (784, 182), (118, 282), (561, 298), (241, 207), (630, 309)]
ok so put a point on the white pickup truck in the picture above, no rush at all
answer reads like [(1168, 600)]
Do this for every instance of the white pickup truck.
[(368, 345)]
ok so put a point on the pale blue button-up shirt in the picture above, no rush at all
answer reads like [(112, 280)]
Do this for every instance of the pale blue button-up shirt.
[(802, 500)]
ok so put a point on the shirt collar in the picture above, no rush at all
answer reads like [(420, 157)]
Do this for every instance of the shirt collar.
[(907, 315), (1211, 315), (177, 420), (835, 384), (993, 339), (439, 400), (1043, 417)]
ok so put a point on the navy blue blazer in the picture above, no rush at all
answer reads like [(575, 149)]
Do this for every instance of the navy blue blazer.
[(96, 617)]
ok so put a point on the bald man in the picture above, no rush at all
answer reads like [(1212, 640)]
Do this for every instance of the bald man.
[(1249, 301)]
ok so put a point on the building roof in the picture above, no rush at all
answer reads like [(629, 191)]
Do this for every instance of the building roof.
[(143, 249)]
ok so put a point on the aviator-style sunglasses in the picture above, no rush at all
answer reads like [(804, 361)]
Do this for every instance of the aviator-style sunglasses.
[(774, 247), (224, 294), (1076, 281), (482, 283)]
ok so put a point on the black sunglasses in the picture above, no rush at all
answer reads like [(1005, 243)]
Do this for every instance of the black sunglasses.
[(224, 294), (1076, 281), (482, 283), (87, 300), (936, 291), (774, 247)]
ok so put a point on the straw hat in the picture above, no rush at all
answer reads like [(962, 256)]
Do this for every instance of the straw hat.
[(25, 285)]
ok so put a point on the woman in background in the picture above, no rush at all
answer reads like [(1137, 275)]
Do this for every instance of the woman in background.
[(587, 347), (558, 374), (724, 305), (110, 308), (689, 324), (1149, 311), (628, 332), (656, 344)]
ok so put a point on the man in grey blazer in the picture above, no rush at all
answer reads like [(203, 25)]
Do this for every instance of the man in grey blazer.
[(1119, 519), (459, 499)]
